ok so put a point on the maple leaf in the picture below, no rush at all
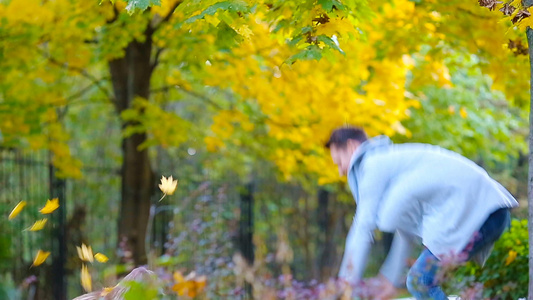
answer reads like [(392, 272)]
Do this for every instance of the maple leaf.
[(323, 19), (38, 225), (190, 285), (510, 257), (507, 9), (40, 258), (50, 206), (522, 14), (86, 281), (107, 290), (517, 47), (168, 185), (18, 208), (490, 4), (101, 257), (85, 253)]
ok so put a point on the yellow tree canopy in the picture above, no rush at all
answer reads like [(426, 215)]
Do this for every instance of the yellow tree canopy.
[(285, 72)]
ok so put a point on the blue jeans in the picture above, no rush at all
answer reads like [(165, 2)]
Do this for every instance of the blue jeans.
[(422, 279)]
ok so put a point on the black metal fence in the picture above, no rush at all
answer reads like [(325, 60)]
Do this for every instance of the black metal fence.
[(21, 179), (189, 227), (85, 205), (198, 228)]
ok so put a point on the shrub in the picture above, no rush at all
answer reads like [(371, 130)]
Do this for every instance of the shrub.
[(505, 274)]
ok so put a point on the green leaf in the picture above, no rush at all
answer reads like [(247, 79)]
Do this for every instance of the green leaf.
[(226, 36), (141, 5), (329, 4), (293, 42), (229, 6), (309, 53), (329, 42)]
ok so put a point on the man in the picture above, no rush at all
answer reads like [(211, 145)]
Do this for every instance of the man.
[(421, 193)]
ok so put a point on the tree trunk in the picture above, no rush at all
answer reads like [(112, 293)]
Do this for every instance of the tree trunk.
[(130, 76), (529, 33)]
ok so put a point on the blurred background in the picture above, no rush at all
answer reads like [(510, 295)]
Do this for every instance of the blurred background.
[(235, 99)]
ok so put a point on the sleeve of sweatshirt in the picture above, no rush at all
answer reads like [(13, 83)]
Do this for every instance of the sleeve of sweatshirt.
[(360, 238), (396, 262)]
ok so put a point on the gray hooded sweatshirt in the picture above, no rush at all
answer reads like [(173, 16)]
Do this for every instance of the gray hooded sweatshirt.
[(418, 192)]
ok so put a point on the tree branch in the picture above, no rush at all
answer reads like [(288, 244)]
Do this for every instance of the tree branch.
[(473, 14), (80, 71), (82, 91), (192, 93), (154, 63), (72, 97), (168, 16), (259, 119), (115, 16)]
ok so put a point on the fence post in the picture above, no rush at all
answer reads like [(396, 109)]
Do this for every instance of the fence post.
[(246, 228), (59, 254)]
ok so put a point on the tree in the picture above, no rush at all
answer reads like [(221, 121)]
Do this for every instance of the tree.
[(48, 47), (279, 75)]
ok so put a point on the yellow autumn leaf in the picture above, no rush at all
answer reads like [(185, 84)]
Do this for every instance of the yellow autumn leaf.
[(40, 258), (106, 291), (50, 206), (85, 253), (190, 285), (86, 281), (178, 277), (38, 225), (18, 208), (101, 257), (463, 113), (168, 185), (510, 257)]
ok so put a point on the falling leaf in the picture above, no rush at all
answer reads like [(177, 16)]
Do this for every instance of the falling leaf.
[(101, 258), (106, 291), (50, 206), (86, 281), (190, 285), (40, 257), (511, 257), (38, 225), (168, 185), (85, 253), (18, 208)]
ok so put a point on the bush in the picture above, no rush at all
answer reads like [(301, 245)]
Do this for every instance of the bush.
[(505, 274)]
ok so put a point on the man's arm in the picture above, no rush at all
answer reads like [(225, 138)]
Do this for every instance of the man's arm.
[(371, 185), (393, 269), (358, 243)]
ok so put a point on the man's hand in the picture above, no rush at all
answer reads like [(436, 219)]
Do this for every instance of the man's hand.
[(386, 288)]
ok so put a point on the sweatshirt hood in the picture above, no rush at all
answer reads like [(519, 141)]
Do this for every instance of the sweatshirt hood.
[(369, 145)]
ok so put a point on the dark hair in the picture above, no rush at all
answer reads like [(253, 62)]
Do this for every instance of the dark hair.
[(340, 136)]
